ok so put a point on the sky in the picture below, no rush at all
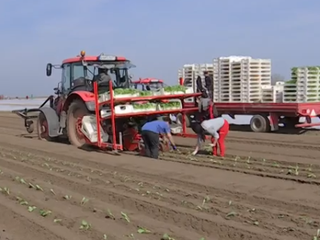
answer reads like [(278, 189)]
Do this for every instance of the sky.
[(159, 37)]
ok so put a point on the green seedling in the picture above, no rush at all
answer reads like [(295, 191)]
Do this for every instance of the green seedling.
[(31, 208), (52, 191), (32, 186), (85, 225), (311, 175), (57, 220), (39, 188), (131, 236), (84, 200), (45, 213), (68, 197), (142, 230), (125, 217), (256, 223), (22, 201), (205, 200), (202, 238), (231, 214), (166, 237), (23, 181), (230, 203), (105, 237), (6, 190), (110, 215), (317, 236)]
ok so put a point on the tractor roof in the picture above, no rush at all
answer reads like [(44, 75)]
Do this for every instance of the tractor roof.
[(100, 58)]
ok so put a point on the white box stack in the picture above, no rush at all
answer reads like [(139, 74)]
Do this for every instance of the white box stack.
[(272, 94), (190, 73), (240, 79), (304, 86)]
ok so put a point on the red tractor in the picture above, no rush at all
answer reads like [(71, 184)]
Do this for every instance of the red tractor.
[(74, 96)]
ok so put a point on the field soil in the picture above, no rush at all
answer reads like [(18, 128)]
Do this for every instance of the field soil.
[(267, 187)]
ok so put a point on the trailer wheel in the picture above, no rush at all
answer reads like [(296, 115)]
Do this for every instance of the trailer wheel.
[(179, 117), (260, 123), (43, 128), (77, 110)]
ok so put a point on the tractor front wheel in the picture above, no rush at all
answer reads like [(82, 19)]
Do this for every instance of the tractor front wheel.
[(43, 128), (77, 110)]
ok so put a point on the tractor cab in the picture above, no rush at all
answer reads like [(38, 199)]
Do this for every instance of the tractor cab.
[(79, 72), (148, 84)]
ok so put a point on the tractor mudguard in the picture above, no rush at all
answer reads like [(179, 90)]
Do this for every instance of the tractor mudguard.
[(52, 120), (85, 96)]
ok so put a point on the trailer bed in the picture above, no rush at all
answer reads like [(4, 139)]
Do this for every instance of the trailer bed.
[(294, 109)]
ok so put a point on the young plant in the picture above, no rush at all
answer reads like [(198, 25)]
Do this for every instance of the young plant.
[(166, 237), (84, 200), (44, 213), (85, 225), (68, 197), (142, 230), (31, 208), (22, 201), (110, 215), (125, 217), (39, 188)]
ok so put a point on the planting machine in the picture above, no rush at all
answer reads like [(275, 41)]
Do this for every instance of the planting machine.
[(95, 104)]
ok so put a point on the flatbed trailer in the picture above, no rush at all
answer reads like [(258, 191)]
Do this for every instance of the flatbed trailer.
[(268, 116)]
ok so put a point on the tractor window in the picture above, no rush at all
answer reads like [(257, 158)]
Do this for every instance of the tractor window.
[(78, 71), (65, 83)]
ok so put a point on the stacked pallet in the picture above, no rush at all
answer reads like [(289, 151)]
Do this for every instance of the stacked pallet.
[(304, 86), (190, 73), (272, 94), (240, 79)]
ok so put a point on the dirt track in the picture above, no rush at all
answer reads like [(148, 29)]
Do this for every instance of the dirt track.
[(265, 189)]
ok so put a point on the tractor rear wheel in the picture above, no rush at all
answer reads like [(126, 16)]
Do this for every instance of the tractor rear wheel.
[(42, 128), (77, 110)]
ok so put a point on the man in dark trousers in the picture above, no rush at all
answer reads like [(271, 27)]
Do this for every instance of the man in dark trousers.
[(209, 84), (150, 134)]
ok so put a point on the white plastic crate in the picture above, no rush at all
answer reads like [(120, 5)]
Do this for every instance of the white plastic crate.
[(89, 129), (119, 109), (106, 96)]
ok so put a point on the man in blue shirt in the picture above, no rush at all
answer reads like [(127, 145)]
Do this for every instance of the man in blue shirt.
[(150, 135)]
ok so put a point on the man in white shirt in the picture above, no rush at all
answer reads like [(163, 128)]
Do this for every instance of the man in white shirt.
[(218, 128)]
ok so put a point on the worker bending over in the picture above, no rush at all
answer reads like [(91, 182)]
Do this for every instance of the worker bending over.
[(218, 128), (150, 134)]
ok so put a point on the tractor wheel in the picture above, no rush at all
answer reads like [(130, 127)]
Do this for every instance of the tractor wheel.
[(77, 110), (42, 128), (30, 126)]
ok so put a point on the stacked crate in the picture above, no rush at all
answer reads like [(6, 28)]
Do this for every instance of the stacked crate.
[(240, 79), (304, 86), (272, 93)]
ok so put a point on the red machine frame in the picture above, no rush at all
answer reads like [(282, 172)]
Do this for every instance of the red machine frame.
[(112, 101)]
